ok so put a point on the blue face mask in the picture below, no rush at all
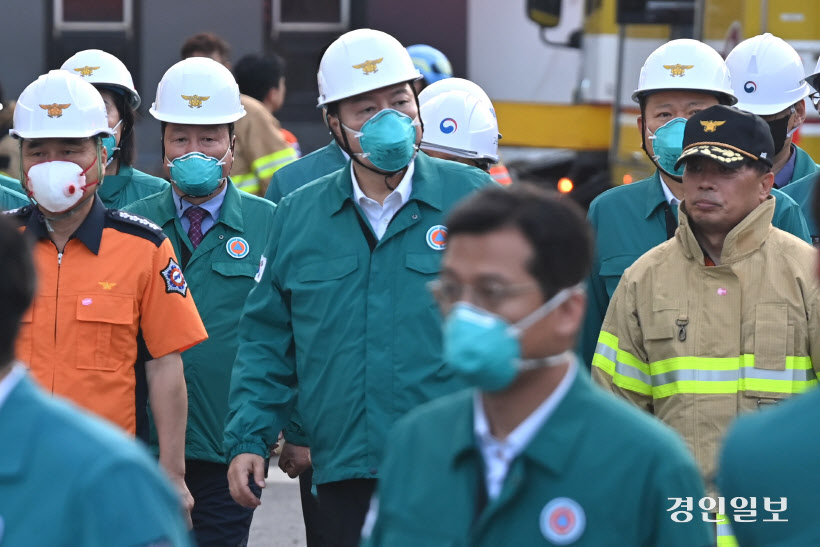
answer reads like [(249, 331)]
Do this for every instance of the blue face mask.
[(196, 174), (668, 146), (110, 144), (388, 140), (484, 349)]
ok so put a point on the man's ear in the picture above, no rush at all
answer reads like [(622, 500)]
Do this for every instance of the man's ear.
[(334, 125), (799, 114), (640, 123), (767, 182)]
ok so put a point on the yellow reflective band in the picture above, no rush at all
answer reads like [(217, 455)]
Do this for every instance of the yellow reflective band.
[(730, 387), (626, 370), (722, 363), (725, 534), (247, 182), (266, 166)]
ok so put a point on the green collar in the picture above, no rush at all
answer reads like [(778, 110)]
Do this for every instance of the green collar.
[(427, 185), (654, 195), (113, 184), (230, 214)]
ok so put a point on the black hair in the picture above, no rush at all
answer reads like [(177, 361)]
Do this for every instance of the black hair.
[(17, 288), (257, 75), (128, 144), (553, 224), (207, 43)]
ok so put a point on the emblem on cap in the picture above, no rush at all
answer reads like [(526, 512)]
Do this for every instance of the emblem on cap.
[(710, 126), (562, 521), (55, 110), (369, 67), (678, 70), (174, 280), (86, 70), (237, 247), (437, 237), (448, 125), (195, 101)]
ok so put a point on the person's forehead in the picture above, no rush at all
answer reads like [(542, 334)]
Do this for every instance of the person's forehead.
[(679, 98), (195, 128), (57, 141), (383, 92), (500, 253)]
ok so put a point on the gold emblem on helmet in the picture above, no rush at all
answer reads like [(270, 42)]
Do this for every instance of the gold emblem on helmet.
[(195, 101), (55, 110), (710, 126), (86, 70), (678, 70), (369, 67)]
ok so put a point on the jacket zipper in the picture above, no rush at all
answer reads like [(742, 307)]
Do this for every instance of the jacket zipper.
[(57, 303)]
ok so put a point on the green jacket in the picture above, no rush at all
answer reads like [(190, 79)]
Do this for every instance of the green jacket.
[(220, 282), (766, 455), (67, 478), (628, 221), (10, 199), (315, 165), (129, 185), (804, 166), (354, 330), (617, 464), (11, 184), (802, 191)]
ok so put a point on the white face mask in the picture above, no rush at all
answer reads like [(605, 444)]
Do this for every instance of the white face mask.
[(57, 186)]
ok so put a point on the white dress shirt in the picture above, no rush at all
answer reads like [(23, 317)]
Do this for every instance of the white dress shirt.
[(498, 454), (380, 215), (670, 197), (12, 378)]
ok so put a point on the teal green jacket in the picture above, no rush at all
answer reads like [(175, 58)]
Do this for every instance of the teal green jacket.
[(11, 184), (220, 280), (10, 199), (804, 166), (306, 169), (129, 185), (354, 330), (802, 191), (67, 478), (628, 221), (618, 464), (773, 454)]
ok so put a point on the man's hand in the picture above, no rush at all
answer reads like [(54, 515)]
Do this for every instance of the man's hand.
[(185, 497), (294, 459), (241, 467)]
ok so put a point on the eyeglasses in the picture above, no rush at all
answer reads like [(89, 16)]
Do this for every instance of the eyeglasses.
[(488, 295), (815, 99)]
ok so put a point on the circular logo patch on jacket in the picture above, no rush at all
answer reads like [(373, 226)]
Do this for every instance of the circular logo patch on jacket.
[(437, 237), (238, 247), (562, 521)]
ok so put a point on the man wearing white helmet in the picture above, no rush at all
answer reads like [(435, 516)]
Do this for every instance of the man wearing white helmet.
[(341, 313), (113, 311), (679, 79), (768, 79), (802, 190), (460, 128), (219, 233), (123, 183)]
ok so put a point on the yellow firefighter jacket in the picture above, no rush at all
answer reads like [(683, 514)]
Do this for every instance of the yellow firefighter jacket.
[(697, 345)]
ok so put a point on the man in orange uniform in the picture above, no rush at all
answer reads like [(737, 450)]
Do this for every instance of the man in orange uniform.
[(112, 311)]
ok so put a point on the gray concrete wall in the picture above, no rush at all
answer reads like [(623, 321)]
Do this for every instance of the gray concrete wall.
[(22, 45)]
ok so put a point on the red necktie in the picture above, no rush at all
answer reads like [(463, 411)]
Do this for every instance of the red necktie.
[(195, 215)]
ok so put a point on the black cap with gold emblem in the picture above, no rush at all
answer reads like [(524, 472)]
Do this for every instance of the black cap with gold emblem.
[(727, 135)]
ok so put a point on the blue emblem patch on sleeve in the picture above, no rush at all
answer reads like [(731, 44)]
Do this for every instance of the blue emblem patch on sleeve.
[(174, 280)]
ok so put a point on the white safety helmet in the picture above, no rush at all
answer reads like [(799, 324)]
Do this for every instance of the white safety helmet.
[(814, 79), (454, 84), (767, 75), (197, 91), (101, 68), (59, 105), (360, 61), (685, 65), (460, 124)]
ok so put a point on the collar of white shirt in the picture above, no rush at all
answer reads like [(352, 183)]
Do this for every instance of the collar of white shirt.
[(499, 454), (378, 214), (667, 193), (12, 378)]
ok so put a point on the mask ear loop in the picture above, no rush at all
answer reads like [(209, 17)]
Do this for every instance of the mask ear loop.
[(115, 148), (792, 112)]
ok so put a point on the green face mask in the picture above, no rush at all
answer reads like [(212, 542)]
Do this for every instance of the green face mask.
[(667, 142), (110, 144), (388, 140)]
